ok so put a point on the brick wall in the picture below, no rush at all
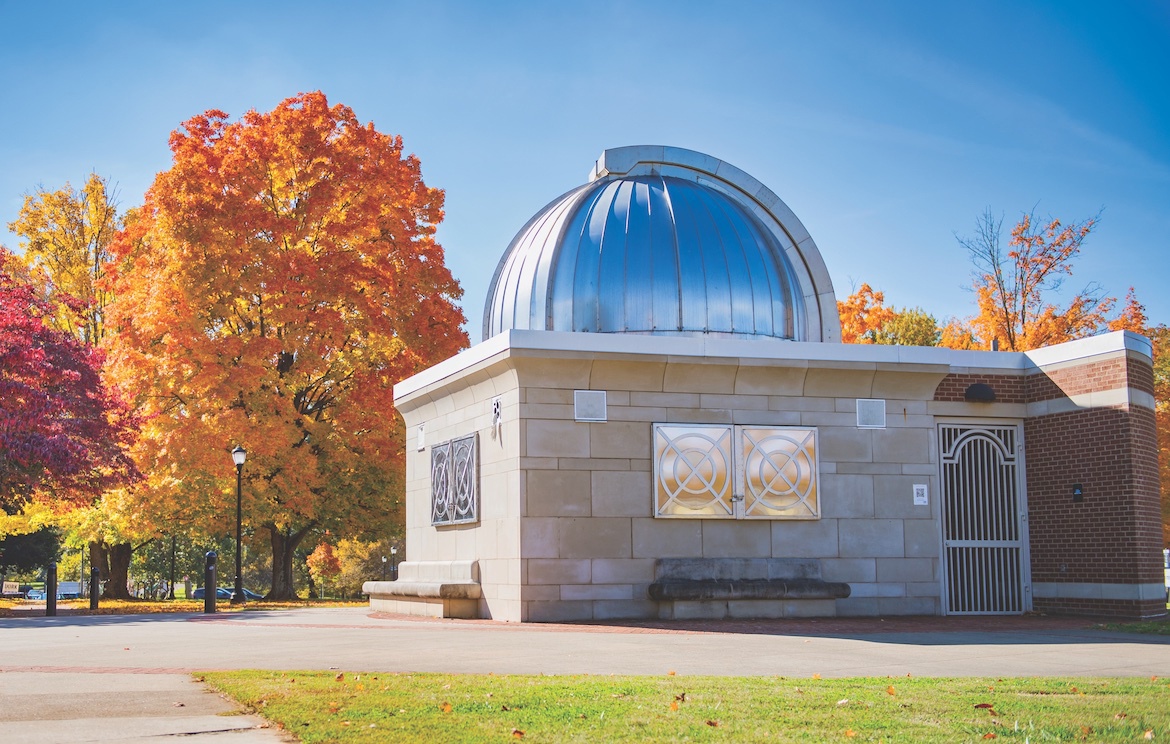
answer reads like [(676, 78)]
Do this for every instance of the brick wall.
[(1008, 388), (1109, 374), (1102, 607), (1110, 536), (1114, 535)]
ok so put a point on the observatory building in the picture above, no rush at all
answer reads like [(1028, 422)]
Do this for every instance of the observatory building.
[(662, 423)]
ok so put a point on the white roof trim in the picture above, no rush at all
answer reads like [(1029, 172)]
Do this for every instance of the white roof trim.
[(770, 349)]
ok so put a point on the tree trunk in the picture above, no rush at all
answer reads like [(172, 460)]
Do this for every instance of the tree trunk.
[(119, 572), (99, 558), (284, 544)]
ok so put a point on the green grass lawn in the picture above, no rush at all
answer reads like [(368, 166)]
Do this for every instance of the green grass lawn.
[(326, 706), (1148, 627)]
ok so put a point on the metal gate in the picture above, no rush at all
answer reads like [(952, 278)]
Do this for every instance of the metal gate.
[(984, 520)]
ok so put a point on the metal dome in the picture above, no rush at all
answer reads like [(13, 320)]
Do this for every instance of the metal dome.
[(654, 253)]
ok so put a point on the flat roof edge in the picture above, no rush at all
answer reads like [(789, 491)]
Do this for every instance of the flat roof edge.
[(769, 349)]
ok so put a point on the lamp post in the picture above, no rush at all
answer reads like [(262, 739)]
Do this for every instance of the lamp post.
[(239, 454), (394, 555), (383, 568)]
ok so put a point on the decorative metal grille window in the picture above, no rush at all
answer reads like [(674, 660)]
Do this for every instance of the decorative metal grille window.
[(735, 472), (455, 481)]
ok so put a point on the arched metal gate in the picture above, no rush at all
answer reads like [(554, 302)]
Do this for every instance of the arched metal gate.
[(984, 520)]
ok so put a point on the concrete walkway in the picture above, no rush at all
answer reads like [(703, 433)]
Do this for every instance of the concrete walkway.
[(83, 678)]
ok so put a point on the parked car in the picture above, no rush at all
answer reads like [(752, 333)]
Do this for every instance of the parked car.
[(36, 594), (225, 593)]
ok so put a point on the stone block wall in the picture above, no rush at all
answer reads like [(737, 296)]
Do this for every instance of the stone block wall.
[(466, 408), (589, 537)]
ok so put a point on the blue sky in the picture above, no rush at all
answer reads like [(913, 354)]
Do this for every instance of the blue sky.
[(887, 127)]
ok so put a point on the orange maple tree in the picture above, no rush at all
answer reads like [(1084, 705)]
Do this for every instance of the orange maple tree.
[(1013, 288), (863, 314), (281, 276), (1132, 317)]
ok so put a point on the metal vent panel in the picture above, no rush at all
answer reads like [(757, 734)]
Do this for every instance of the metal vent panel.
[(871, 414)]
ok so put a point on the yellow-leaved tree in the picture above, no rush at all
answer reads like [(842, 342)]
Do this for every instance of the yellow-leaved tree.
[(281, 276), (66, 236)]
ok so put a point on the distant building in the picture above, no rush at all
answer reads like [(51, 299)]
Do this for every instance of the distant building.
[(662, 423)]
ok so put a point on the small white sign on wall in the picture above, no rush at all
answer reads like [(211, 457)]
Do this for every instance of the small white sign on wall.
[(921, 495), (421, 441)]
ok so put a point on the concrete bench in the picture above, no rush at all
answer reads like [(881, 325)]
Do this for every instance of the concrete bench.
[(431, 588), (743, 587)]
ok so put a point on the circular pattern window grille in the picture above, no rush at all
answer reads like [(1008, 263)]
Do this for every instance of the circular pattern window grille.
[(693, 468), (780, 473), (704, 470)]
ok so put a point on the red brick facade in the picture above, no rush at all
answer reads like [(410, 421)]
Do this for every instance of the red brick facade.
[(1113, 535), (1008, 388)]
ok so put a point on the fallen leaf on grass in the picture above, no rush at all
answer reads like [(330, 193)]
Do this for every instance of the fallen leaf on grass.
[(890, 690), (504, 707), (843, 701), (445, 707), (816, 676), (1086, 730), (334, 707), (985, 705), (674, 706), (340, 676), (1119, 716), (1149, 734), (682, 698), (670, 673), (446, 687), (179, 705), (713, 724), (990, 736), (850, 733), (345, 723), (517, 733)]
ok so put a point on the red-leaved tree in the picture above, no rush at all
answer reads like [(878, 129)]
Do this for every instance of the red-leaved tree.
[(63, 433)]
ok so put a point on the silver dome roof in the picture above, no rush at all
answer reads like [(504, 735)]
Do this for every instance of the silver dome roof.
[(651, 253)]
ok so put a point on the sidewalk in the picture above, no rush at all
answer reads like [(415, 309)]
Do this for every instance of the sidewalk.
[(122, 707), (99, 678)]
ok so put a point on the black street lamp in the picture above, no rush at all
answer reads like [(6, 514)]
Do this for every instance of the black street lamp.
[(394, 556), (239, 454)]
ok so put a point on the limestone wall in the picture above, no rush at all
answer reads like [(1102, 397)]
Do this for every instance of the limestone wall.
[(589, 538), (465, 407)]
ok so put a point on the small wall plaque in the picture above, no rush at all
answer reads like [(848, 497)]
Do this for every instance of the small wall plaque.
[(921, 494)]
